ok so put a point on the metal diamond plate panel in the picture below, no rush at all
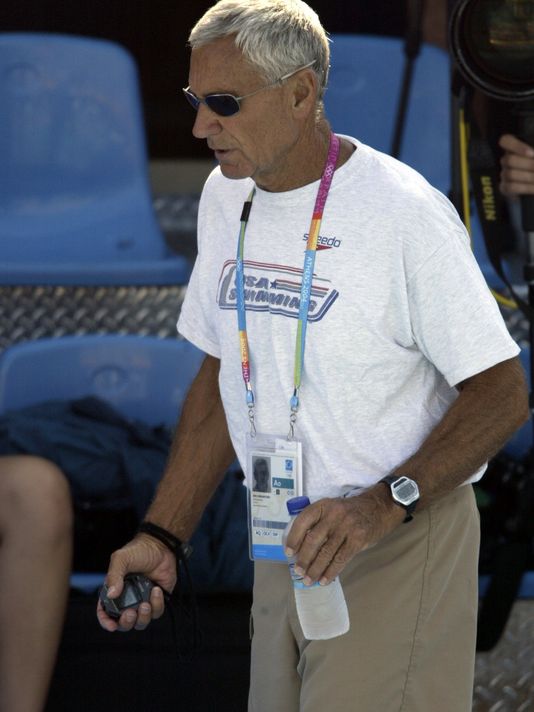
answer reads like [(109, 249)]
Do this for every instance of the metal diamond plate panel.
[(42, 312), (38, 312), (504, 676)]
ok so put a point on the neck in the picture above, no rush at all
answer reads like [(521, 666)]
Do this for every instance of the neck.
[(304, 162)]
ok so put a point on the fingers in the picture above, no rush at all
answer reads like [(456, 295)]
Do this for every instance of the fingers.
[(517, 166), (146, 611), (132, 618), (146, 556), (514, 145), (336, 565), (516, 183), (325, 538), (326, 561), (105, 621), (157, 602), (118, 568), (329, 533)]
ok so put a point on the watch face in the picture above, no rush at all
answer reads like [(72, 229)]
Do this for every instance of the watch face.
[(405, 491)]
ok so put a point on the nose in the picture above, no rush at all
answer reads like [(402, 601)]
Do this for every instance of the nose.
[(206, 123)]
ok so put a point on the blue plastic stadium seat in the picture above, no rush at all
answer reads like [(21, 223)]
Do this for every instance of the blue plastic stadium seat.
[(526, 589), (143, 377), (364, 88), (75, 202)]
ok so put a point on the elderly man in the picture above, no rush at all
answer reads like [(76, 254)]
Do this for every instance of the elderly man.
[(410, 380)]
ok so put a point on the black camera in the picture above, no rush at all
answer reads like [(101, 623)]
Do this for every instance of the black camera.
[(492, 43), (137, 589)]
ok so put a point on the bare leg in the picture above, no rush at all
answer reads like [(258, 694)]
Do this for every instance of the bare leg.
[(35, 561)]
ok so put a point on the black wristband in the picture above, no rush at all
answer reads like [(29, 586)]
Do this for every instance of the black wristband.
[(181, 549)]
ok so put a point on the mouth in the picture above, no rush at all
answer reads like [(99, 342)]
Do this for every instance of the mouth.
[(221, 153)]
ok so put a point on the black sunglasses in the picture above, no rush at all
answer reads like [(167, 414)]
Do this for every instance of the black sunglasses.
[(228, 104)]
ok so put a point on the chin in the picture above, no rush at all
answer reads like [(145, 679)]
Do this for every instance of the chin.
[(235, 172)]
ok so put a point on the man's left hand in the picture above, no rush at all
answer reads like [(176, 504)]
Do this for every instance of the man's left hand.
[(328, 533), (517, 166)]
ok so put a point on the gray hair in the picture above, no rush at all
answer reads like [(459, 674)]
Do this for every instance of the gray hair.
[(276, 36)]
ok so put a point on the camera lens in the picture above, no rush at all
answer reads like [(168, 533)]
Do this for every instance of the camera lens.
[(493, 44)]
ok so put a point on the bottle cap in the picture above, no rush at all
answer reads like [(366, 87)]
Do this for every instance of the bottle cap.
[(297, 504)]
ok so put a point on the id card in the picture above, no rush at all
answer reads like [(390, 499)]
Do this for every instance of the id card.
[(274, 475)]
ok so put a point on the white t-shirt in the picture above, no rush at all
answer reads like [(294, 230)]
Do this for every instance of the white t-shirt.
[(400, 313)]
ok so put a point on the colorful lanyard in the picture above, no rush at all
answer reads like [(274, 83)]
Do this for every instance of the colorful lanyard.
[(305, 290)]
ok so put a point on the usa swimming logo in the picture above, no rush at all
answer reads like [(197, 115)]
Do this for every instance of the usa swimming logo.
[(275, 289)]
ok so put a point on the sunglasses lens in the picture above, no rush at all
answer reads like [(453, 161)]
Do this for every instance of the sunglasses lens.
[(223, 104), (192, 99)]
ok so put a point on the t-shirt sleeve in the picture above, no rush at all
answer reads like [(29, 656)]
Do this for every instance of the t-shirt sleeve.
[(196, 321), (193, 323), (455, 319)]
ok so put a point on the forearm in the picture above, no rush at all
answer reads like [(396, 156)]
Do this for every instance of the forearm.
[(489, 409), (200, 454)]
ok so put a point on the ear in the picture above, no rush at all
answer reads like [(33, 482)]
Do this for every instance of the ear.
[(304, 92)]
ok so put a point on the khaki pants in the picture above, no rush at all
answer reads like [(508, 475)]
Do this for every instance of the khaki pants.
[(412, 603)]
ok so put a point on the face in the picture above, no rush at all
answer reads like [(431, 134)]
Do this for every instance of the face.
[(259, 140), (261, 475)]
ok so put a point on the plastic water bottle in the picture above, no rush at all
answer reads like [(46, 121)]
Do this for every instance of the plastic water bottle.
[(322, 610)]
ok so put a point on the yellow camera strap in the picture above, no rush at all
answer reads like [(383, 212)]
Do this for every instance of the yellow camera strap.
[(479, 168)]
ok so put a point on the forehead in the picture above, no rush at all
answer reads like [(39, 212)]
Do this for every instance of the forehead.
[(218, 66)]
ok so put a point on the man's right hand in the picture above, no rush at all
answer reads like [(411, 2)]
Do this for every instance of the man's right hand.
[(147, 556)]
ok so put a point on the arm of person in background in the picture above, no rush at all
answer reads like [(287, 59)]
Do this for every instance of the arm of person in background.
[(517, 166), (200, 455), (490, 407)]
